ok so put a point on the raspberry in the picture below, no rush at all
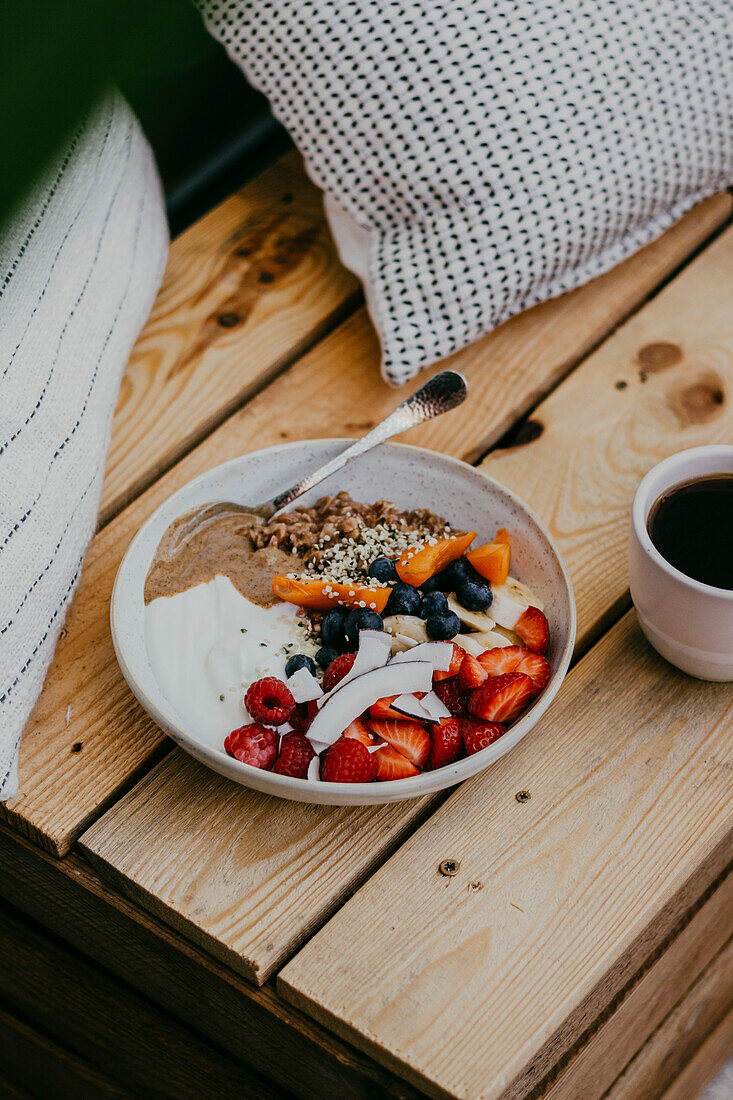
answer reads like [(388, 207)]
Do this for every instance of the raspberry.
[(269, 700), (302, 715), (479, 735), (255, 745), (447, 742), (348, 761), (296, 753), (337, 670)]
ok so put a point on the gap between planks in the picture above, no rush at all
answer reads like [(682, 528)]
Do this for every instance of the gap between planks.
[(282, 869), (64, 787)]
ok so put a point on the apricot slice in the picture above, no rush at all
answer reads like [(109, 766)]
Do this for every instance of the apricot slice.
[(492, 559), (320, 595), (419, 563)]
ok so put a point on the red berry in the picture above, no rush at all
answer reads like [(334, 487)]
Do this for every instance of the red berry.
[(337, 670), (409, 738), (532, 628), (269, 700), (472, 675), (450, 693), (501, 698), (254, 744), (455, 664), (447, 742), (296, 753), (479, 735), (515, 658), (391, 764), (302, 715), (348, 761)]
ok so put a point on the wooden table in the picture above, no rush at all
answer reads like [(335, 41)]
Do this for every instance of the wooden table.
[(165, 932)]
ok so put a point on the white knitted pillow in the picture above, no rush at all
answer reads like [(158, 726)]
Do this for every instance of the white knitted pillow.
[(480, 157), (79, 268)]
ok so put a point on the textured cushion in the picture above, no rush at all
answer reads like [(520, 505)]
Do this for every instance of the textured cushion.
[(478, 157), (79, 268)]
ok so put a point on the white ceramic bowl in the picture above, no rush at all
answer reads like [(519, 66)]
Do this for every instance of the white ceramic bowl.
[(412, 478)]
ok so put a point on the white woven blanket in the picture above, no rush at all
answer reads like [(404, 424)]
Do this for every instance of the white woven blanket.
[(79, 269)]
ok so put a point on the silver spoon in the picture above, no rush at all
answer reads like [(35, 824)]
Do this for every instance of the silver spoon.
[(442, 393)]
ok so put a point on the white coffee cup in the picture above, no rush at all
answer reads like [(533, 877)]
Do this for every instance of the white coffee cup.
[(688, 622)]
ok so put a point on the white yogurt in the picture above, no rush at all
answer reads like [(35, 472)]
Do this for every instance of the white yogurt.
[(210, 641)]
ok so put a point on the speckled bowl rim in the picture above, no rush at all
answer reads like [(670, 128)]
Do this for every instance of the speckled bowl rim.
[(345, 793)]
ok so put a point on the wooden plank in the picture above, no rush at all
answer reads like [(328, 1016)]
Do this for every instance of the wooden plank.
[(706, 1063), (246, 290), (478, 984), (662, 383), (33, 1062), (654, 993), (83, 1007), (254, 1025), (665, 1056), (263, 873), (69, 772)]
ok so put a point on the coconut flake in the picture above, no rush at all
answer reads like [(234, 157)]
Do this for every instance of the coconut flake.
[(314, 770), (434, 706), (304, 686), (411, 706), (358, 695), (375, 647)]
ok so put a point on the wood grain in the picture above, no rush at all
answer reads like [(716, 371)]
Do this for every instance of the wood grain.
[(676, 1042), (707, 1061), (246, 290), (34, 1062), (663, 982), (84, 1008), (474, 986), (663, 382), (252, 1024), (263, 873), (68, 773)]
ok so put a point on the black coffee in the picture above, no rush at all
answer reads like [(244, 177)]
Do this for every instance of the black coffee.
[(691, 526)]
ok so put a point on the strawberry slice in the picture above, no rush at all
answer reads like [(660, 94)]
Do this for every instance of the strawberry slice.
[(472, 673), (348, 761), (447, 742), (455, 664), (501, 698), (450, 693), (360, 731), (532, 628), (479, 735), (409, 738), (383, 709), (515, 658), (391, 764)]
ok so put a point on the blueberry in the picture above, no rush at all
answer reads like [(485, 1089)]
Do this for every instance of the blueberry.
[(325, 655), (443, 627), (332, 627), (458, 571), (475, 595), (299, 660), (435, 603), (361, 618), (404, 600), (436, 583), (383, 569)]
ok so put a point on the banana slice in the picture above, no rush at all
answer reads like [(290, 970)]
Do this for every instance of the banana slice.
[(469, 643), (510, 601), (408, 625), (510, 637), (477, 620), (400, 642), (492, 639)]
